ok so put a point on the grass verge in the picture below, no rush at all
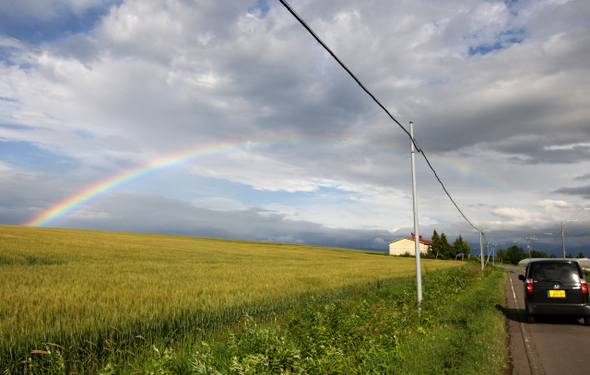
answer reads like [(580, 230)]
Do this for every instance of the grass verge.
[(467, 338)]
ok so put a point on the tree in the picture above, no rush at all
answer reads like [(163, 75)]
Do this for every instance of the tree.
[(515, 254), (435, 247), (581, 255), (460, 246), (467, 249), (538, 254), (503, 255), (445, 247), (552, 256)]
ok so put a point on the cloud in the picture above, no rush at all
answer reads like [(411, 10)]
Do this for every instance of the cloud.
[(498, 92), (161, 215), (583, 191), (40, 21), (219, 204), (227, 60), (551, 204), (46, 10), (514, 215)]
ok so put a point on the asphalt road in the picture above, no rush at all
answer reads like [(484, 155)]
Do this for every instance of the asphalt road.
[(552, 345)]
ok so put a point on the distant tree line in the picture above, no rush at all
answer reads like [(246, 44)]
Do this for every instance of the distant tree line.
[(442, 249), (515, 254)]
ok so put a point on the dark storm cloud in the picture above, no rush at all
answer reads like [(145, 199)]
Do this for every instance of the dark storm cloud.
[(169, 216), (583, 191), (537, 150)]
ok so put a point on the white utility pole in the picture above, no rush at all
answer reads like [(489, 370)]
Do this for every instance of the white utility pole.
[(494, 256), (562, 240), (528, 246), (481, 247), (416, 231)]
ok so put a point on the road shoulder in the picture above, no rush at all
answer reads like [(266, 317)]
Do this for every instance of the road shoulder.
[(519, 361)]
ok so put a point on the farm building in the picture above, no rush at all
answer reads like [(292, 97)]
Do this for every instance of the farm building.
[(408, 245)]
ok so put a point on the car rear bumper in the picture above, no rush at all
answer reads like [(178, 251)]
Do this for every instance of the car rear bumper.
[(558, 309)]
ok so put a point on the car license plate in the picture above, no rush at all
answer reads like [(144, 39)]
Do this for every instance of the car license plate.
[(557, 293)]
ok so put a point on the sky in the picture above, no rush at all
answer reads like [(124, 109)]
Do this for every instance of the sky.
[(226, 119)]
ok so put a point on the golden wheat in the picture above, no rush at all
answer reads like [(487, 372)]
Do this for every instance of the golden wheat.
[(67, 286)]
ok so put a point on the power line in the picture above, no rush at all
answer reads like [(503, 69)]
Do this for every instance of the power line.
[(418, 149), (317, 38), (445, 190), (578, 216), (582, 210)]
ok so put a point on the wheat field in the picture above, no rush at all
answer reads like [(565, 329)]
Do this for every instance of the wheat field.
[(63, 286)]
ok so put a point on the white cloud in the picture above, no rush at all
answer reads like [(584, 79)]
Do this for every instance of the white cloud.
[(550, 204), (570, 146), (152, 77)]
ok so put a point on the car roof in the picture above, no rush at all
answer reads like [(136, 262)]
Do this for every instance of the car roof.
[(553, 261), (580, 261)]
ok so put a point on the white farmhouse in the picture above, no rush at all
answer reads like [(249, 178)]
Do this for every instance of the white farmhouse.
[(408, 245)]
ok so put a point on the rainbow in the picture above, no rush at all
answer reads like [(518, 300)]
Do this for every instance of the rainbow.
[(91, 193), (82, 198)]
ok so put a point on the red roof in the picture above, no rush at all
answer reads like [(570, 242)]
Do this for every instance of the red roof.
[(413, 238)]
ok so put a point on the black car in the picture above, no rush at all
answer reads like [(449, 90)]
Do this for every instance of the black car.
[(555, 287)]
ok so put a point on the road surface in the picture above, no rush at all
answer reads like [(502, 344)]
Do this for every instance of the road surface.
[(552, 345)]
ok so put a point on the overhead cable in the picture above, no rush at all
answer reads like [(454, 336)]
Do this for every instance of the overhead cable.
[(317, 38), (578, 216), (447, 192), (418, 149)]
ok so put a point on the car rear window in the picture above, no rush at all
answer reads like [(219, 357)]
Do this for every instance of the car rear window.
[(564, 272)]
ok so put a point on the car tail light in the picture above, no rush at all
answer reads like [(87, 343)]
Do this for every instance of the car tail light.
[(584, 286), (529, 285)]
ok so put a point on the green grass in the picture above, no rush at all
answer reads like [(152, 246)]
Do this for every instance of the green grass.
[(468, 337), (77, 288)]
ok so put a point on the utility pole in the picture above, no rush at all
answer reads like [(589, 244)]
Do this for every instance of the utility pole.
[(481, 247), (562, 240), (528, 246), (416, 232), (494, 256), (493, 247)]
